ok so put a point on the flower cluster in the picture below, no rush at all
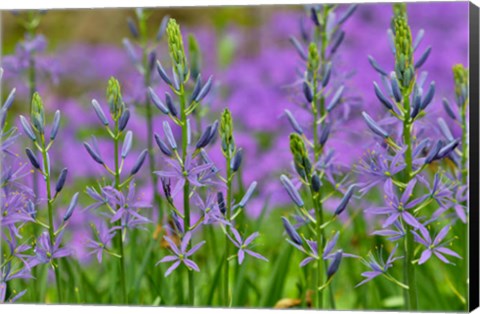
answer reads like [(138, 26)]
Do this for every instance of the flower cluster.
[(404, 156), (312, 161), (120, 208), (189, 168)]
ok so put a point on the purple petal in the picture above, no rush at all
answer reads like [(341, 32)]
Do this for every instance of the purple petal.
[(408, 191), (425, 234), (388, 189), (409, 219), (178, 186), (237, 235), (172, 268), (425, 256), (250, 238), (306, 261), (390, 220), (256, 255), (441, 257), (185, 242), (167, 174), (419, 239), (380, 210), (191, 264), (460, 213), (195, 248), (330, 244), (200, 169), (447, 251), (173, 246), (241, 256), (168, 258), (441, 235)]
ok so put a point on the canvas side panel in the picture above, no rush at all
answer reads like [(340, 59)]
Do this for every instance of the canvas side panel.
[(474, 158)]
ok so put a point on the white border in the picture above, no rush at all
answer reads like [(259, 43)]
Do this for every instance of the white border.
[(51, 4)]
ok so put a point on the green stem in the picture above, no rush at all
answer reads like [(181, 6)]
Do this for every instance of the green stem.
[(228, 215), (410, 295), (118, 223), (51, 230), (186, 187)]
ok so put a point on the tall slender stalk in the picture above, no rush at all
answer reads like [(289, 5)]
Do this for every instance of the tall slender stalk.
[(228, 216), (186, 187), (51, 226), (118, 223), (408, 271)]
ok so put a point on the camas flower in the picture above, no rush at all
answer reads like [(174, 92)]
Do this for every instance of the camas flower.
[(45, 252), (398, 208), (393, 234), (434, 246), (125, 206), (312, 250), (242, 245), (210, 209), (181, 254), (104, 236), (378, 266), (377, 167), (190, 172)]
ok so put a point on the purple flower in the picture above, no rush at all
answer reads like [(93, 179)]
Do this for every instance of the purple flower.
[(398, 208), (45, 252), (330, 245), (377, 167), (435, 246), (393, 234), (17, 250), (100, 198), (327, 254), (104, 236), (3, 292), (181, 254), (210, 209), (243, 245), (190, 172), (125, 207), (377, 265)]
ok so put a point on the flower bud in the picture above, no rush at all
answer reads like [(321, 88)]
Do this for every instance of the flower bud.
[(163, 147), (292, 232), (55, 126), (95, 155), (296, 127), (27, 129), (236, 161), (139, 162), (157, 102), (127, 144), (292, 191), (374, 126), (71, 207), (61, 180), (32, 158), (335, 264), (123, 121), (221, 203), (248, 194)]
